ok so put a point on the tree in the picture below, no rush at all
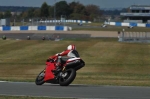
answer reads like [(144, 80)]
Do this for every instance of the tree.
[(93, 11), (76, 16), (1, 15), (37, 13), (62, 8), (24, 14), (72, 6), (80, 9), (44, 10), (51, 11), (77, 11), (31, 13), (7, 14)]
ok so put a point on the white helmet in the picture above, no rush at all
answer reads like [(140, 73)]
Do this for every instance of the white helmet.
[(71, 47)]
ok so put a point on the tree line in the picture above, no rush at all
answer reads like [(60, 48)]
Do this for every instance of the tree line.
[(73, 10)]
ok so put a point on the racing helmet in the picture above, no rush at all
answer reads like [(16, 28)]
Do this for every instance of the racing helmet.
[(71, 47)]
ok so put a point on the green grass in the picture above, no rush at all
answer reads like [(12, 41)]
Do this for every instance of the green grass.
[(108, 62), (112, 28)]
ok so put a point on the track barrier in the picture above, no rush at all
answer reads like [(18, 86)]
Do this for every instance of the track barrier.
[(27, 28), (128, 24)]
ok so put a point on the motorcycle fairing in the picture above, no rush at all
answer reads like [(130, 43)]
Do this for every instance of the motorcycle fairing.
[(75, 63), (72, 59), (48, 74)]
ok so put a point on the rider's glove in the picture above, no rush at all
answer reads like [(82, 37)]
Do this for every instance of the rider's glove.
[(49, 60), (58, 54)]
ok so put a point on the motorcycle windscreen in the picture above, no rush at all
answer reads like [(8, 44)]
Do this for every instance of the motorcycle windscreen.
[(48, 74)]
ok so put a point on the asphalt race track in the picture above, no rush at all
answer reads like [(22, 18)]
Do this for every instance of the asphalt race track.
[(37, 35), (74, 91)]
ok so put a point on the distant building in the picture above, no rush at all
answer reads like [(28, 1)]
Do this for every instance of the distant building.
[(5, 22), (15, 13), (137, 13)]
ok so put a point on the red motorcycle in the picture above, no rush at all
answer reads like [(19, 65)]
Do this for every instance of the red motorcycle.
[(63, 77)]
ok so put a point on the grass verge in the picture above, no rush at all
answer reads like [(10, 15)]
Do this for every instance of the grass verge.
[(108, 62), (112, 28)]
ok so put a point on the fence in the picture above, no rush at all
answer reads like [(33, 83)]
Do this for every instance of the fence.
[(134, 36), (71, 21), (47, 22)]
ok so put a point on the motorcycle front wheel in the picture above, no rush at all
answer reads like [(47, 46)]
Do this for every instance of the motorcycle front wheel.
[(67, 77), (40, 78)]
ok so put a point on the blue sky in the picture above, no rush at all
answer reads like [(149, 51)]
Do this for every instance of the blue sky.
[(100, 3)]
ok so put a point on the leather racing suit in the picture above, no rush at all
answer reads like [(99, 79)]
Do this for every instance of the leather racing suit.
[(62, 57)]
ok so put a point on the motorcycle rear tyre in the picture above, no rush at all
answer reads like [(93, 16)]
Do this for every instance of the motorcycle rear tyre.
[(69, 80), (41, 81)]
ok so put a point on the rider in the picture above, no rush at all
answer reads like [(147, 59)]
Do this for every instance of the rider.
[(60, 58)]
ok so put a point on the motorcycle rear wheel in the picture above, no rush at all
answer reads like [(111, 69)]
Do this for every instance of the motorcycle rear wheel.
[(67, 77), (40, 78)]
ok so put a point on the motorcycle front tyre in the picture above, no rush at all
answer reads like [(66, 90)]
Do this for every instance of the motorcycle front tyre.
[(40, 79)]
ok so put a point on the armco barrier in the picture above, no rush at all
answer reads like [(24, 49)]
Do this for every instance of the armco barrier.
[(133, 24), (15, 28), (41, 27), (118, 23), (110, 23), (24, 28), (6, 28), (125, 24), (141, 25), (50, 28), (28, 28), (128, 24), (33, 28), (147, 25), (59, 28)]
